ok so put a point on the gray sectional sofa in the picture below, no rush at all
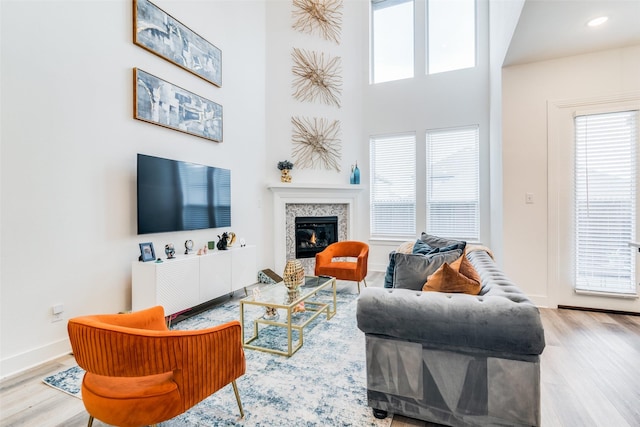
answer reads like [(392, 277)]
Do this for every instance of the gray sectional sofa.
[(454, 359)]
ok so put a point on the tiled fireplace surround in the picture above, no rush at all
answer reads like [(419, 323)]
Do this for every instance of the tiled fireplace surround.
[(293, 200)]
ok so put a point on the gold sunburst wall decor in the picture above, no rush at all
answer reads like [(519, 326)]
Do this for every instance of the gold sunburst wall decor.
[(318, 16), (316, 77), (316, 143)]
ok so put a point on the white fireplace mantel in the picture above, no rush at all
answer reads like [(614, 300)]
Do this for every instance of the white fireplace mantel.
[(284, 194)]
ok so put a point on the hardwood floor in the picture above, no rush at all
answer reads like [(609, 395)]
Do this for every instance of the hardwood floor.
[(590, 377)]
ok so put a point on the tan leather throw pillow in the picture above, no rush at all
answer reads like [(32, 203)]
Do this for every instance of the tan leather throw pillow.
[(450, 278)]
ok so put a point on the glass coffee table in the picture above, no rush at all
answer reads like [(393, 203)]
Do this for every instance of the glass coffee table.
[(278, 302)]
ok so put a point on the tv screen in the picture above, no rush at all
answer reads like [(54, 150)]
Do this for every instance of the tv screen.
[(177, 196)]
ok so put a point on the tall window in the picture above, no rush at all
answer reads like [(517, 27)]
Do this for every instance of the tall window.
[(451, 29), (392, 40), (605, 201), (393, 186), (453, 207)]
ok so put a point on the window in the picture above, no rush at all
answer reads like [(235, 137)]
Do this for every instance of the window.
[(392, 40), (453, 208), (605, 201), (393, 186), (451, 29)]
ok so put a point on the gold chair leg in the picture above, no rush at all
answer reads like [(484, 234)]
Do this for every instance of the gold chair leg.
[(365, 282), (90, 421), (235, 390), (358, 287)]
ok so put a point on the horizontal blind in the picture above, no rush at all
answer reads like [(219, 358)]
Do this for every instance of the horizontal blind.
[(393, 186), (605, 201), (453, 183)]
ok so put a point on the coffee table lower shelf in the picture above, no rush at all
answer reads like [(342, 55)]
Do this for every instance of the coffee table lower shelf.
[(314, 306)]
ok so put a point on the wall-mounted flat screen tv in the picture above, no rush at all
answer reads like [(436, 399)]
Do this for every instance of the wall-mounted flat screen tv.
[(176, 196)]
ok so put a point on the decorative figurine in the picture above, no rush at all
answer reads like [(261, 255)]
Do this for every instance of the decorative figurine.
[(222, 243), (188, 245), (169, 250)]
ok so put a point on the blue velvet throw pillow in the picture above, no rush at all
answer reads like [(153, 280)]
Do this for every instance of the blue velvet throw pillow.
[(412, 270), (429, 244), (388, 277)]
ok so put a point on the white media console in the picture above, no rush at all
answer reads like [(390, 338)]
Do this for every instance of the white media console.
[(189, 280)]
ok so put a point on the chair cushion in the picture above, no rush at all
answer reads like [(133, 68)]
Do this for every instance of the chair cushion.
[(341, 270), (131, 401), (130, 387)]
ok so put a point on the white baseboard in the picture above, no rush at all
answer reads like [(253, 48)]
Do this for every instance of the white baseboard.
[(29, 359), (541, 301)]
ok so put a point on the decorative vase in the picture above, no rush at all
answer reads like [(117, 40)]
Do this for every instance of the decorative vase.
[(293, 277), (356, 174), (352, 178), (284, 175)]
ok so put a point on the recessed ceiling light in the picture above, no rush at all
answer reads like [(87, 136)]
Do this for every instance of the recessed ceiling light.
[(598, 21)]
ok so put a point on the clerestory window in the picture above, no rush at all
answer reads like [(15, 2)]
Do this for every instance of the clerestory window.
[(392, 40)]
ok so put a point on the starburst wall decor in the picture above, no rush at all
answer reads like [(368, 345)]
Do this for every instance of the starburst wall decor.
[(321, 16), (316, 143), (316, 77)]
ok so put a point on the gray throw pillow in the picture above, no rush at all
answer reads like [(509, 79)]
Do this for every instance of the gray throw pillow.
[(411, 270)]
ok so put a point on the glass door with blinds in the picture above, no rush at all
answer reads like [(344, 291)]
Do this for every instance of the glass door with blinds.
[(593, 205), (605, 176)]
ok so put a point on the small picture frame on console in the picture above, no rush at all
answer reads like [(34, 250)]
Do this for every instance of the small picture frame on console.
[(146, 252)]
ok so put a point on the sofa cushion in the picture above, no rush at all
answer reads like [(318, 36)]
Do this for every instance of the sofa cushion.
[(449, 278), (406, 247), (412, 270)]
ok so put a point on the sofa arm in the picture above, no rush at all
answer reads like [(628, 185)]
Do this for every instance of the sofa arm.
[(489, 323)]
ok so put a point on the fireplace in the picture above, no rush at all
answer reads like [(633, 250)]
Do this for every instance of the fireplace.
[(314, 233)]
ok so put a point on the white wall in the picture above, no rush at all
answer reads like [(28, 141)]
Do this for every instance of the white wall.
[(503, 19), (280, 106), (68, 153), (526, 91), (425, 102)]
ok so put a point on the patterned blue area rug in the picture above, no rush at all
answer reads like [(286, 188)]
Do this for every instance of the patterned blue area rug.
[(323, 384)]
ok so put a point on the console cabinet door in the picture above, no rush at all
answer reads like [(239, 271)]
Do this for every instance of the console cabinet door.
[(215, 275), (243, 265), (173, 284)]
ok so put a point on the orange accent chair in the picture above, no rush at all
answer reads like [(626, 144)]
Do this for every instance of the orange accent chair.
[(340, 269), (138, 372)]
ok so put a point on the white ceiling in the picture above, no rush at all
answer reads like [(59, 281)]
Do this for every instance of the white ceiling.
[(550, 29)]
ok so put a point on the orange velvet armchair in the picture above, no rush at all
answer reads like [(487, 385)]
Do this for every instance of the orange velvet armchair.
[(342, 269), (140, 373)]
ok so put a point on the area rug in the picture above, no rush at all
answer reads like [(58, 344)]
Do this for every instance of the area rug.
[(323, 384)]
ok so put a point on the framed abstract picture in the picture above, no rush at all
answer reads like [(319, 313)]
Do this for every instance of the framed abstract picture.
[(165, 104), (161, 34)]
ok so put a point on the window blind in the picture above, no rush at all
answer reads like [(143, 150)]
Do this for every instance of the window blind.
[(453, 183), (605, 201), (393, 186)]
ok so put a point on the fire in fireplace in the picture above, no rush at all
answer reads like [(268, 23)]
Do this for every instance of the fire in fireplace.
[(314, 233)]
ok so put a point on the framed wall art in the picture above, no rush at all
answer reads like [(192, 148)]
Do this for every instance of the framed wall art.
[(161, 34), (162, 103)]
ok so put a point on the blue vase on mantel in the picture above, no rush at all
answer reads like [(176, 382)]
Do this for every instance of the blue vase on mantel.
[(355, 174)]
